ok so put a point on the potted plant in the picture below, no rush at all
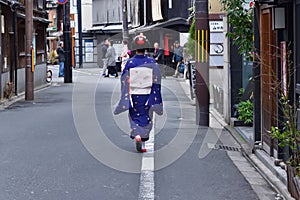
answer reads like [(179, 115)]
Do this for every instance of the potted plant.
[(245, 111)]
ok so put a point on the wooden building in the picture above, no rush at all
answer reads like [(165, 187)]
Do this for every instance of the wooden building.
[(12, 42), (167, 16), (277, 32)]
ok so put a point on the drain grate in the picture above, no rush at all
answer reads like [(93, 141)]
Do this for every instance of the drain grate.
[(224, 147)]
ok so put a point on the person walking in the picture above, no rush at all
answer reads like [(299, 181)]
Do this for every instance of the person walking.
[(177, 57), (186, 60), (61, 58), (158, 55), (111, 60), (140, 92), (124, 54), (104, 47)]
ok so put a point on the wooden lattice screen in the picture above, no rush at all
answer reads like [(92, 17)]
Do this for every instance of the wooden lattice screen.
[(268, 79)]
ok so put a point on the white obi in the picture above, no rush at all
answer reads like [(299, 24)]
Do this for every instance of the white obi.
[(141, 80)]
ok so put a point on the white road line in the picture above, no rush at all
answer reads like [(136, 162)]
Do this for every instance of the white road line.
[(146, 190)]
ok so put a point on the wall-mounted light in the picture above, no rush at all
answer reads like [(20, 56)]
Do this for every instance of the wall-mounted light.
[(278, 18)]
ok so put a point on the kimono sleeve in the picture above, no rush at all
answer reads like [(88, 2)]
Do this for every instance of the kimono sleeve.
[(155, 98), (124, 103)]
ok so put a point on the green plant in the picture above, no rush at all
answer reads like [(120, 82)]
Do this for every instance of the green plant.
[(240, 20), (245, 110), (240, 94), (191, 39), (288, 135)]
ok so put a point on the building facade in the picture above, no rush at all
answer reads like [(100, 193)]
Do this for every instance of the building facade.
[(12, 42), (161, 21), (276, 35), (55, 29)]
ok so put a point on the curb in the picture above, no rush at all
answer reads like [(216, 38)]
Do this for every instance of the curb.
[(254, 160), (8, 102), (250, 155)]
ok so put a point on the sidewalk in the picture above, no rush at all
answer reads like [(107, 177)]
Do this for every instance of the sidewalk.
[(247, 133), (264, 164), (4, 103), (258, 158)]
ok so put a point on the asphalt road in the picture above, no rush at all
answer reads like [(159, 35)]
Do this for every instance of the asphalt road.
[(67, 144)]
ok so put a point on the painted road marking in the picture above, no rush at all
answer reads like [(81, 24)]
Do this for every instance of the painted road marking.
[(146, 190)]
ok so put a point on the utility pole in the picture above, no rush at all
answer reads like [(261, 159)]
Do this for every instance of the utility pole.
[(67, 44), (80, 32), (29, 78), (202, 62), (124, 20)]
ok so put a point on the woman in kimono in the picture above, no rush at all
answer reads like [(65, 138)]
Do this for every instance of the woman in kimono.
[(140, 92)]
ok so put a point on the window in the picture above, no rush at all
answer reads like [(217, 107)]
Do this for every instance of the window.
[(170, 4), (40, 4)]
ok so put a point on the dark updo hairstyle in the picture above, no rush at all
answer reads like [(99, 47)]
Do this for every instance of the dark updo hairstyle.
[(140, 43)]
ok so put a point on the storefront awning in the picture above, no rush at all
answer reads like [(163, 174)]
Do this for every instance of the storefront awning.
[(117, 28), (95, 28), (177, 24), (40, 19), (170, 24), (56, 34)]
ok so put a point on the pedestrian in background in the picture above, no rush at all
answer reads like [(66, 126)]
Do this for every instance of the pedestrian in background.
[(61, 58), (158, 55), (104, 47), (177, 57), (124, 54), (186, 59), (140, 92), (111, 60)]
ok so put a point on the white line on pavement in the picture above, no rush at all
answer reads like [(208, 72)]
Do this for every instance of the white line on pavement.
[(146, 190)]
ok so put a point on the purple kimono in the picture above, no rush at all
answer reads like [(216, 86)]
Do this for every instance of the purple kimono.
[(140, 94)]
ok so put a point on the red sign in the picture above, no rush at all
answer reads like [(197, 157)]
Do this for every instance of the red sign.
[(62, 2)]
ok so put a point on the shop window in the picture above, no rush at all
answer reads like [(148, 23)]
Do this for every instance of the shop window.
[(21, 46), (40, 46)]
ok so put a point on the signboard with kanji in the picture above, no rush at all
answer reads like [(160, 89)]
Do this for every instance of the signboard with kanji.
[(216, 26), (62, 1)]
